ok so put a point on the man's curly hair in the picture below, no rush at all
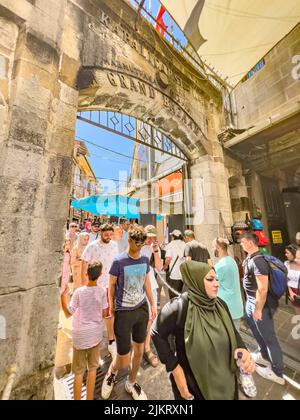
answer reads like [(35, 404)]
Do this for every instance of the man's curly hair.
[(137, 233)]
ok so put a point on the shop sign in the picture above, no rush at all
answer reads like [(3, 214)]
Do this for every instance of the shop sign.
[(277, 237)]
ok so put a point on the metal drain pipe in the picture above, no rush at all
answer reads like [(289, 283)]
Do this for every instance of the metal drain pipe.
[(10, 382)]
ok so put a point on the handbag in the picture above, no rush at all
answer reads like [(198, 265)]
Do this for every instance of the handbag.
[(170, 271), (296, 300)]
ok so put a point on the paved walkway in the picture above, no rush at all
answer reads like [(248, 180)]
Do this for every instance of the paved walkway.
[(155, 381)]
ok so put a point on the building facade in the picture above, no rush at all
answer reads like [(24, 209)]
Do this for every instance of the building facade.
[(84, 181), (266, 140)]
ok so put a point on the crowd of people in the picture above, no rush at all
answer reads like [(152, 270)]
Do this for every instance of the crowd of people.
[(114, 278)]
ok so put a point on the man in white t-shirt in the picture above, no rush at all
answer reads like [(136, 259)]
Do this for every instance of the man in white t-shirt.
[(103, 250), (174, 259)]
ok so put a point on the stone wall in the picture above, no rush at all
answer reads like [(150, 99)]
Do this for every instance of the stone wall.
[(274, 88), (134, 72), (239, 191), (38, 115)]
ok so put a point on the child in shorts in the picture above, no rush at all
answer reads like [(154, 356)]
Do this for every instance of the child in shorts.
[(88, 307)]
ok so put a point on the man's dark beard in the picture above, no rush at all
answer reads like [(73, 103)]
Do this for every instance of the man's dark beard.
[(217, 254), (106, 241)]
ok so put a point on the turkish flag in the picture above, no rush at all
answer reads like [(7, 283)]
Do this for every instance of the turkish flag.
[(161, 27)]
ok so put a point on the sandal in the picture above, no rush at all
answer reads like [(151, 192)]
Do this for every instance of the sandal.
[(151, 358)]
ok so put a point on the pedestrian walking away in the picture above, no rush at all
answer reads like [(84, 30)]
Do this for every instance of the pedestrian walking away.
[(174, 259)]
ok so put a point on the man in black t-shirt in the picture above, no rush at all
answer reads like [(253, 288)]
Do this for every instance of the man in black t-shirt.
[(261, 307), (194, 251)]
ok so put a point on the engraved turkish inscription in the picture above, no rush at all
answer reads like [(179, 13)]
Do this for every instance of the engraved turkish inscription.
[(144, 89), (141, 49)]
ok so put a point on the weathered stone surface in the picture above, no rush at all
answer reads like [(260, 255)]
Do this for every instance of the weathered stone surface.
[(69, 70), (54, 205), (35, 74), (28, 128), (125, 69), (274, 85), (18, 197), (30, 341), (68, 95), (31, 91), (60, 141), (8, 34)]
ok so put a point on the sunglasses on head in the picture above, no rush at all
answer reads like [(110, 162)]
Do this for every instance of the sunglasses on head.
[(139, 242)]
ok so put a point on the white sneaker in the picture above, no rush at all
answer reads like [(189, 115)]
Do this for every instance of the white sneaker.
[(258, 359), (113, 349), (268, 374), (248, 385), (136, 392), (108, 385)]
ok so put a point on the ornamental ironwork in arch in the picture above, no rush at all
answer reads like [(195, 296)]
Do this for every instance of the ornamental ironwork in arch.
[(133, 129)]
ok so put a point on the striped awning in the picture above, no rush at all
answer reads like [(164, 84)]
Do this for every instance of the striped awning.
[(234, 35)]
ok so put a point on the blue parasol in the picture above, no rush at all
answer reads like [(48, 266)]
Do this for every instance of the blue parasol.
[(116, 205)]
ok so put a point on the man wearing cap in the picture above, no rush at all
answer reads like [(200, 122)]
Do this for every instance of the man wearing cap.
[(174, 259), (94, 233), (151, 250)]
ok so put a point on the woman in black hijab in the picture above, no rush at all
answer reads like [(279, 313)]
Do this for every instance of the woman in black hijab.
[(207, 344)]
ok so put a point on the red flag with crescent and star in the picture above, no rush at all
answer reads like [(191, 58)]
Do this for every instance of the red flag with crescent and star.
[(161, 27)]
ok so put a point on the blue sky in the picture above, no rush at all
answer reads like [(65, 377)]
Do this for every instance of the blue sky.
[(154, 6), (106, 164)]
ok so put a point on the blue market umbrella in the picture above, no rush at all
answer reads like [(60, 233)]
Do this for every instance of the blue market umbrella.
[(117, 205)]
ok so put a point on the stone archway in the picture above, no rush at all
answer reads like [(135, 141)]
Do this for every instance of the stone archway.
[(74, 55)]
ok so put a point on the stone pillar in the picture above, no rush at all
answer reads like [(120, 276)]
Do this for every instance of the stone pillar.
[(210, 199), (36, 147), (239, 194)]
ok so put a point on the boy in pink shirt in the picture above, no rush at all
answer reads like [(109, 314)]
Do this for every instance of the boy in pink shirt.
[(88, 307)]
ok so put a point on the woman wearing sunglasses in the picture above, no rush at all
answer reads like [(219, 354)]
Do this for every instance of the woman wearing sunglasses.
[(203, 364)]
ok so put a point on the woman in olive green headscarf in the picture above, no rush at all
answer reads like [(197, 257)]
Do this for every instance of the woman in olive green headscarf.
[(207, 343)]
